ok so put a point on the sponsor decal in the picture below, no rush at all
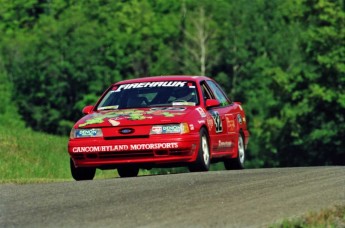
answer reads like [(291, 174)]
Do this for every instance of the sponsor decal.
[(230, 123), (239, 118), (154, 146), (201, 112), (201, 121), (86, 132), (150, 85), (144, 146), (191, 126), (171, 129), (88, 149), (157, 129), (191, 85), (224, 144), (113, 117)]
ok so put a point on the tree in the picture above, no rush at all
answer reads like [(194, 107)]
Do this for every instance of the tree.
[(199, 34), (259, 46), (74, 50), (314, 99)]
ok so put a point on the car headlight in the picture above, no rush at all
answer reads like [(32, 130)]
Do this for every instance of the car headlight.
[(170, 129), (86, 133)]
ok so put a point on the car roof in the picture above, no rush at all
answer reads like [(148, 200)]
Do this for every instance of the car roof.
[(165, 78)]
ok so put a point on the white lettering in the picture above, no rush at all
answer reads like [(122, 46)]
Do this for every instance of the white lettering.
[(224, 144), (154, 146), (140, 85), (147, 84), (169, 84), (180, 84), (150, 146), (131, 86), (151, 84), (120, 87)]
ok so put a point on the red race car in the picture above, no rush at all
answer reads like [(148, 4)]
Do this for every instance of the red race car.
[(164, 121)]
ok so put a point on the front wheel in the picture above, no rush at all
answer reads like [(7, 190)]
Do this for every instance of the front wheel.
[(202, 162), (128, 171), (81, 173), (238, 162)]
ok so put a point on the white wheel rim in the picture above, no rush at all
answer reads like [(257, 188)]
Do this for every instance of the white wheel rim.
[(205, 152), (241, 155)]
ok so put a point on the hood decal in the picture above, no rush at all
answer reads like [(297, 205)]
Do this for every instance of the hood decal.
[(113, 117)]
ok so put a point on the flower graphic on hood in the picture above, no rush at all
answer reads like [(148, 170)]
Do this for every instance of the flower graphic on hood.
[(113, 117)]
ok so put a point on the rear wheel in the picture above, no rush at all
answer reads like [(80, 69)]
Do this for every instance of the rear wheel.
[(202, 162), (128, 171), (238, 162), (81, 173)]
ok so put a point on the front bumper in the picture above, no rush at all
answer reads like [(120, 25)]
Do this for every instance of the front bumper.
[(157, 149)]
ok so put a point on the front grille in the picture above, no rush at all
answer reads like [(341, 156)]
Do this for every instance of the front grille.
[(78, 156), (126, 154), (180, 152)]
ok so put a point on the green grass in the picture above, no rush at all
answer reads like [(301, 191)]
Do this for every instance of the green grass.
[(333, 218), (27, 156)]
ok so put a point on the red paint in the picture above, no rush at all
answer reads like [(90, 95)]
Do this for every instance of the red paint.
[(141, 147)]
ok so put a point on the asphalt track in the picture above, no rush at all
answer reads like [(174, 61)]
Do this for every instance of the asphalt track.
[(246, 198)]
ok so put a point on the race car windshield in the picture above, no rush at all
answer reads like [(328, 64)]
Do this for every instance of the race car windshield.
[(150, 94)]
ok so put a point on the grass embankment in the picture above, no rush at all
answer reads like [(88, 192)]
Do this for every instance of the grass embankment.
[(333, 217), (34, 157), (30, 156)]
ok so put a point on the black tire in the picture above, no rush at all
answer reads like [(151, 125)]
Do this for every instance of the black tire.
[(128, 171), (238, 162), (82, 173), (202, 162)]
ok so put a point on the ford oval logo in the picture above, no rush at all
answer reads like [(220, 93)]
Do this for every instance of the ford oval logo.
[(126, 130)]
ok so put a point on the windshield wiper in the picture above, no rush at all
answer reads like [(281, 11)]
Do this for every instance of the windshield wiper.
[(108, 108), (160, 105)]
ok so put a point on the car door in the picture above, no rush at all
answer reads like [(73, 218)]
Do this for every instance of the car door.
[(223, 119)]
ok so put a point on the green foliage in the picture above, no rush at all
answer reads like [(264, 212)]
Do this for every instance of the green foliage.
[(8, 111), (315, 125), (284, 60), (22, 157)]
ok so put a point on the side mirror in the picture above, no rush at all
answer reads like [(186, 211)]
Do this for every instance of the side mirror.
[(87, 109), (212, 103)]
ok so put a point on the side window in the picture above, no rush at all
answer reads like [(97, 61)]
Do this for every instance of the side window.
[(220, 95), (206, 93)]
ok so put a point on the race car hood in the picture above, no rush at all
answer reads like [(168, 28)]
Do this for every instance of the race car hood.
[(131, 117)]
